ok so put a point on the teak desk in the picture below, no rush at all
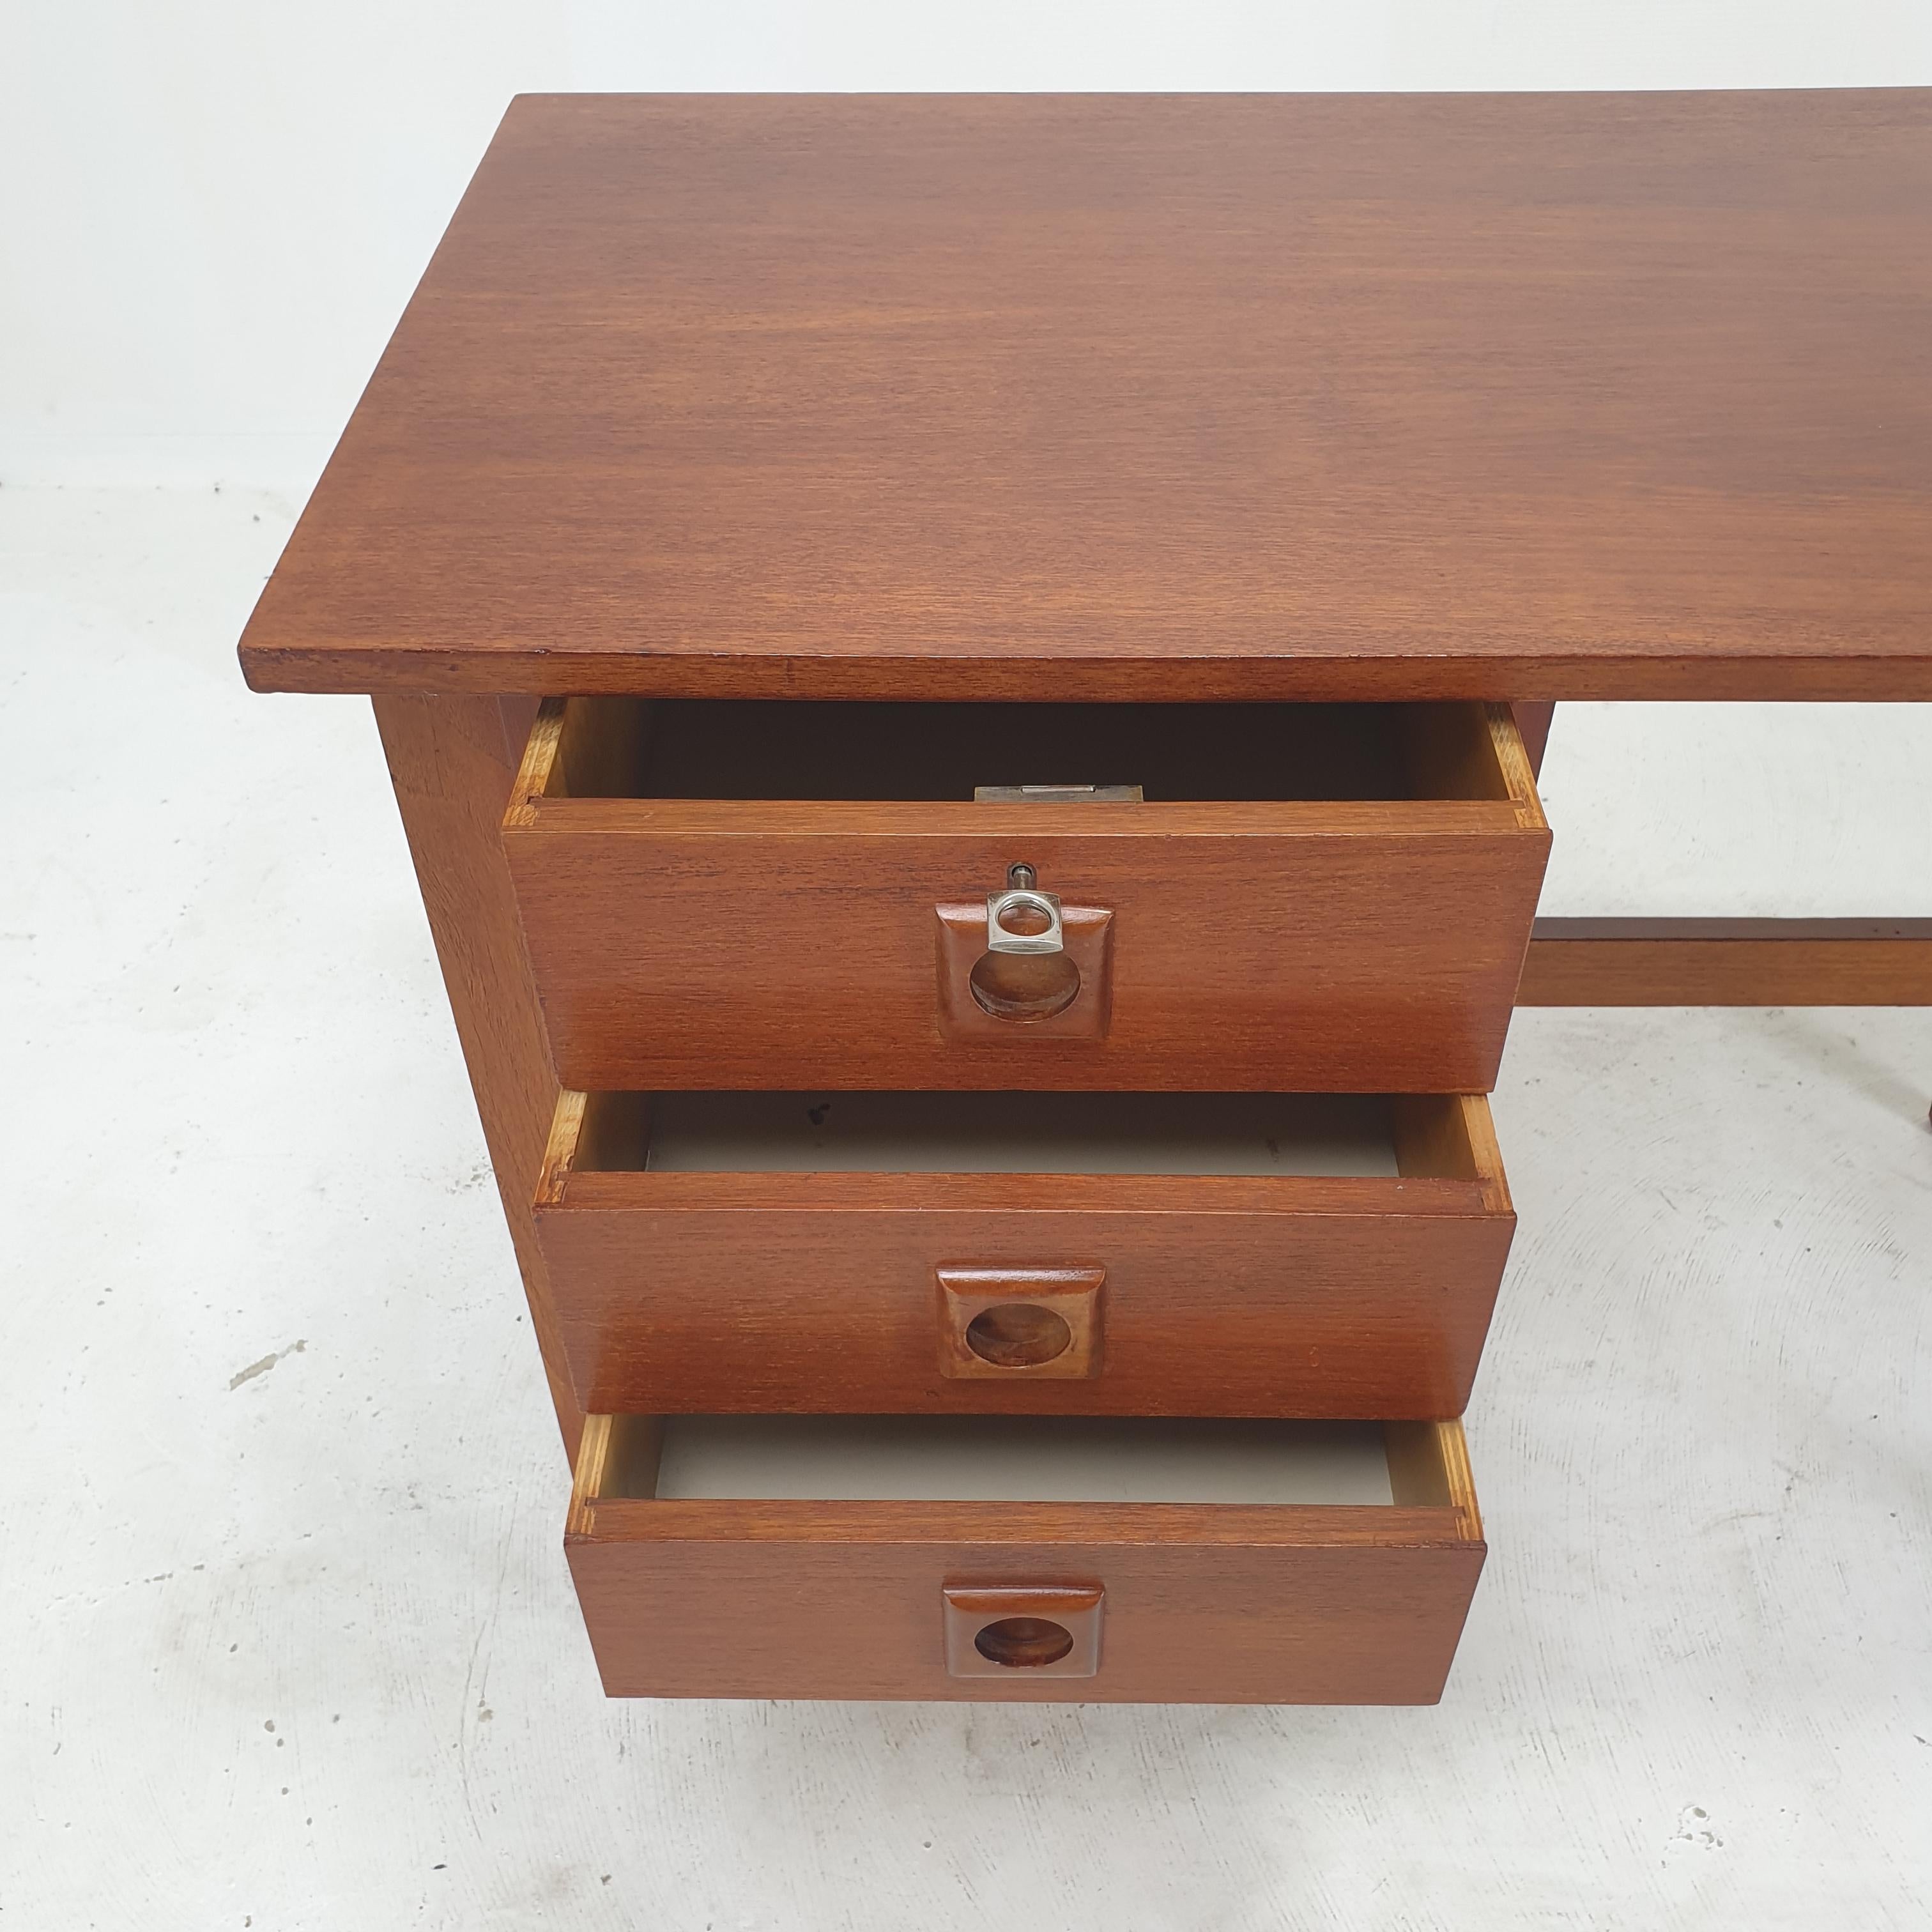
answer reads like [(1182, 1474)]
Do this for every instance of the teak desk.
[(957, 671)]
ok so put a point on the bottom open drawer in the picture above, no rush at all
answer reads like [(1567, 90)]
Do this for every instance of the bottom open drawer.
[(1086, 1559)]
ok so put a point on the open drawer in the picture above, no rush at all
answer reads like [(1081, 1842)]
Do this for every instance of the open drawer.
[(1237, 1254), (1267, 897), (1037, 1558)]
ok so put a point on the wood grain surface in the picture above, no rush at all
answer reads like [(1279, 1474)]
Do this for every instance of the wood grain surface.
[(1277, 941), (1729, 962), (1728, 973), (1283, 1295), (452, 760), (1309, 1603), (1027, 397)]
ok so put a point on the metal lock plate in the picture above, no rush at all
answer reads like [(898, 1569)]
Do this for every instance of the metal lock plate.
[(1057, 794)]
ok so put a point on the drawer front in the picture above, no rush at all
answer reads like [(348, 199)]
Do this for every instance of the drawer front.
[(1214, 1308), (1159, 1603), (1150, 1295), (1354, 946)]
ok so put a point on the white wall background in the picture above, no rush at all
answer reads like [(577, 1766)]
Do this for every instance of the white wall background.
[(212, 211)]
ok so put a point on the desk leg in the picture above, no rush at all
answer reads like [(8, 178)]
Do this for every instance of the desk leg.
[(451, 760)]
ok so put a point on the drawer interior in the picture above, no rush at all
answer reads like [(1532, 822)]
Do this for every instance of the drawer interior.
[(1017, 1133), (1446, 1137), (1030, 1459), (693, 748), (1018, 1459)]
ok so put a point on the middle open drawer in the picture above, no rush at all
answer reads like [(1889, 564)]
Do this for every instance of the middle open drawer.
[(1126, 1254)]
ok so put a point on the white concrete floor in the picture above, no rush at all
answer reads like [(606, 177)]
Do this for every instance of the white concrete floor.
[(286, 1636)]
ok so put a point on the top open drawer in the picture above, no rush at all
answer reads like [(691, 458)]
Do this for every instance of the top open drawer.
[(1311, 897)]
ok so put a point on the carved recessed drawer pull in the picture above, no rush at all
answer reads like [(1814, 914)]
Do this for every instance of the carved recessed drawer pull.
[(1017, 1335), (1024, 1642), (1043, 1630), (1010, 1323)]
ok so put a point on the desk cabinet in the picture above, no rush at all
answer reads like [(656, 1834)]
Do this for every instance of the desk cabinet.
[(948, 666)]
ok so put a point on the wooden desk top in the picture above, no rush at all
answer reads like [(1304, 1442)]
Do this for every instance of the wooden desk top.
[(1026, 397)]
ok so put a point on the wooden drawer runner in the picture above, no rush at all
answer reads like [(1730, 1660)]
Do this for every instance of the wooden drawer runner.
[(1333, 897), (1035, 1559), (1199, 1254)]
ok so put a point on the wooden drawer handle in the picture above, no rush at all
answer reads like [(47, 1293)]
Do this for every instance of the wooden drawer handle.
[(1022, 1630), (1042, 1323)]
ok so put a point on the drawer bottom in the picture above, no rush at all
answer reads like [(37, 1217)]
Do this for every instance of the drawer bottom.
[(1085, 1558)]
